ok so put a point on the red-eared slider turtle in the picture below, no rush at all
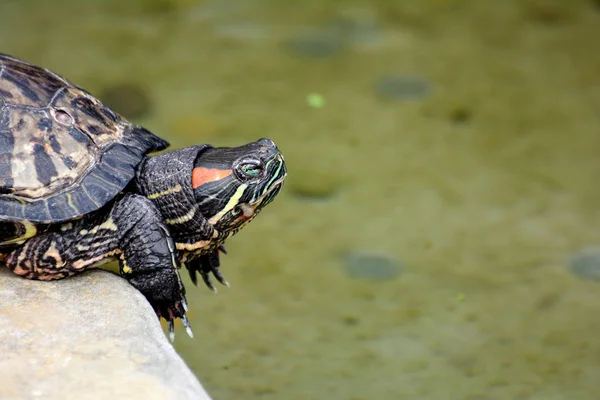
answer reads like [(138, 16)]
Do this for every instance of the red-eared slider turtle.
[(77, 189)]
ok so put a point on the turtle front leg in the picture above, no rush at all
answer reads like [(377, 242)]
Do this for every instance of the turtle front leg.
[(133, 232), (147, 258)]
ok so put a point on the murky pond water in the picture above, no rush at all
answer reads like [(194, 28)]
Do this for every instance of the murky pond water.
[(432, 240)]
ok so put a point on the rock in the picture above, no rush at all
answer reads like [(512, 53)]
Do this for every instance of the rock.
[(92, 336)]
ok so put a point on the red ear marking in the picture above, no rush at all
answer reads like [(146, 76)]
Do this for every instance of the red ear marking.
[(201, 175)]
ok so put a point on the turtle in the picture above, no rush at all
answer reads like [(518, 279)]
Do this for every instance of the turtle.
[(80, 185)]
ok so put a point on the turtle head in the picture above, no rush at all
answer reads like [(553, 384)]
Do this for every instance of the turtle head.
[(233, 184)]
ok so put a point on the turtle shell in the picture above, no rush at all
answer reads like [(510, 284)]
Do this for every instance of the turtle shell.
[(62, 152)]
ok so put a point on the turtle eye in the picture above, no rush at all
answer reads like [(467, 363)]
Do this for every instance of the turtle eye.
[(251, 169)]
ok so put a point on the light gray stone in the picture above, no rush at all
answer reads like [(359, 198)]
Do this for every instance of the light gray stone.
[(92, 336)]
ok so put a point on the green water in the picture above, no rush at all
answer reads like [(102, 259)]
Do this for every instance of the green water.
[(471, 184)]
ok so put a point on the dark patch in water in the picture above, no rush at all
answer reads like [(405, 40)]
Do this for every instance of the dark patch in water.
[(400, 87), (460, 115), (372, 266), (585, 264), (314, 189), (129, 100), (350, 320), (308, 195), (317, 45)]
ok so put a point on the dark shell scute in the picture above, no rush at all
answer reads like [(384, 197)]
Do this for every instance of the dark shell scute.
[(60, 207), (20, 125), (110, 114), (5, 94), (37, 211), (44, 167), (52, 168), (36, 83), (96, 190), (23, 83), (118, 156), (93, 118), (69, 163), (78, 135), (87, 107), (94, 129), (12, 207), (7, 181), (55, 145), (103, 174), (45, 124), (7, 143)]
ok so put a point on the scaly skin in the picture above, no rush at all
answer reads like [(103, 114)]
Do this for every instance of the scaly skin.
[(165, 219), (77, 188), (132, 231)]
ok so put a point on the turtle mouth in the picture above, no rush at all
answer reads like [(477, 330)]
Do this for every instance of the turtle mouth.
[(276, 183), (268, 195), (249, 210)]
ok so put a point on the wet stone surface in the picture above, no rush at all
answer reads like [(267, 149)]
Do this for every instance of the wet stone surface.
[(92, 336), (372, 266), (585, 264)]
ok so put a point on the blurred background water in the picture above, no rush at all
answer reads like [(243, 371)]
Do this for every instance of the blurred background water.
[(439, 233)]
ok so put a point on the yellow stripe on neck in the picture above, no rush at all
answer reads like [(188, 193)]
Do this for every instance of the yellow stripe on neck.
[(183, 218), (174, 189), (233, 201)]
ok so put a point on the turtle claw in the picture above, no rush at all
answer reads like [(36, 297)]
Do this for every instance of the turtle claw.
[(219, 277), (205, 265), (186, 323), (171, 330), (207, 281), (171, 312), (188, 327)]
